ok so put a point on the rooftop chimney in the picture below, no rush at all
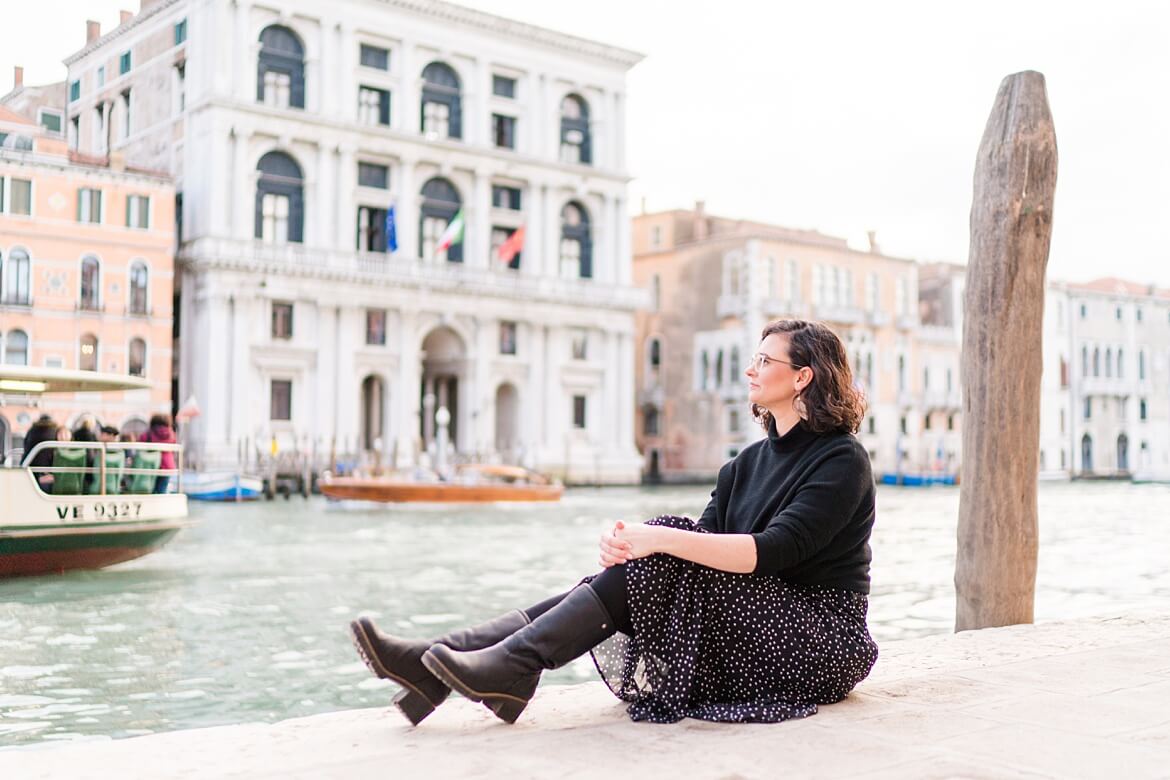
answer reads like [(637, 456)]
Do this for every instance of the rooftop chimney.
[(125, 16), (873, 244), (17, 77), (93, 30), (700, 227)]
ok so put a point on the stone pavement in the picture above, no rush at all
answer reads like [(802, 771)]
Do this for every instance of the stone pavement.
[(1076, 699)]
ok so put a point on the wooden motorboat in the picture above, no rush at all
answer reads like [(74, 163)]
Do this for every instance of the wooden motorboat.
[(95, 505), (472, 483)]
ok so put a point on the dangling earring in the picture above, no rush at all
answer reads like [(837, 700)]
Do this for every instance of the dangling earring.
[(798, 406)]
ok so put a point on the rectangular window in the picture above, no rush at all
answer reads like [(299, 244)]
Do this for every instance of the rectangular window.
[(504, 131), (376, 327), (181, 87), (499, 236), (579, 411), (124, 63), (89, 205), (75, 133), (280, 403), (50, 120), (505, 197), (373, 106), (282, 320), (375, 57), (580, 345), (502, 86), (373, 175), (1088, 408), (507, 338), (1142, 409), (101, 75), (126, 114), (19, 197), (138, 211), (180, 31), (74, 91), (371, 229), (274, 219)]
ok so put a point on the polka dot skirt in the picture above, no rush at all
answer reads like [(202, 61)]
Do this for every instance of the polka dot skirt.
[(740, 648)]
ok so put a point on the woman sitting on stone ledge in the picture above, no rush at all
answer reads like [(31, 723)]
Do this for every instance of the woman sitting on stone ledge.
[(754, 613)]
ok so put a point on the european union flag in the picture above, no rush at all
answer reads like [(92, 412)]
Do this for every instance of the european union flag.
[(391, 231)]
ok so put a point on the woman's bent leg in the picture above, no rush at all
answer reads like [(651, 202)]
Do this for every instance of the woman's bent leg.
[(612, 588)]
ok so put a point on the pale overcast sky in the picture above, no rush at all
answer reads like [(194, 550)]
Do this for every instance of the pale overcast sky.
[(847, 116)]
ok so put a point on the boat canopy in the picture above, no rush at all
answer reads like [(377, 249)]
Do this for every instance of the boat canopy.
[(36, 380)]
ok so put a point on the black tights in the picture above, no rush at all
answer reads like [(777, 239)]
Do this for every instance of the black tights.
[(610, 587)]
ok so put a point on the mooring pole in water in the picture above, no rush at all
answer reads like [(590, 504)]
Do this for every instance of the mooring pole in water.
[(1011, 228)]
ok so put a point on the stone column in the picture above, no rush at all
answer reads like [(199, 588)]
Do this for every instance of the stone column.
[(623, 266), (344, 207), (480, 215), (532, 260), (408, 117), (326, 198), (406, 211)]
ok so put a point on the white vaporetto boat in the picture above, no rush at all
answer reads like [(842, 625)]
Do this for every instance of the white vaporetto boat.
[(95, 504)]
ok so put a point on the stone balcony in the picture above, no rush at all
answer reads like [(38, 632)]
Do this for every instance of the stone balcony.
[(412, 273), (848, 315), (942, 399)]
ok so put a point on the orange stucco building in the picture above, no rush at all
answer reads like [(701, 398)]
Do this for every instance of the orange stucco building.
[(86, 276)]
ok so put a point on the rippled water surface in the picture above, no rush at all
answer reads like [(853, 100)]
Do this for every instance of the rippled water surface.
[(242, 618)]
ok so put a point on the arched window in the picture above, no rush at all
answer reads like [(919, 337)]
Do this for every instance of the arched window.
[(138, 287), (440, 206), (655, 354), (280, 72), (576, 242), (88, 353), (14, 283), (90, 283), (136, 361), (16, 348), (1096, 361), (1109, 361), (704, 370), (280, 199), (441, 107), (655, 292), (576, 143), (1120, 363), (1086, 453), (1141, 364), (719, 368), (1084, 361), (733, 368)]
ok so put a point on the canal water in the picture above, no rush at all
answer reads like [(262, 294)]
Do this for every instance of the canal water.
[(243, 617)]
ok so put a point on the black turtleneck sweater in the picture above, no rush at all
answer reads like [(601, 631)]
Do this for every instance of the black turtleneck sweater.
[(807, 500)]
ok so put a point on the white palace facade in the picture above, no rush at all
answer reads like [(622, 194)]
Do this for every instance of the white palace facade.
[(291, 127)]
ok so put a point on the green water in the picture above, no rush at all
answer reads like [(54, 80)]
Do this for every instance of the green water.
[(243, 617)]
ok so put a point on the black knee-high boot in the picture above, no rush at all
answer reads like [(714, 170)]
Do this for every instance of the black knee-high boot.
[(392, 658), (504, 676)]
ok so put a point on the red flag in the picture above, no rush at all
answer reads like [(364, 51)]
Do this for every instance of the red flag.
[(512, 246)]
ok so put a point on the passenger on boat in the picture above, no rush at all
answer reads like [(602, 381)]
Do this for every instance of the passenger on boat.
[(755, 612), (161, 432), (44, 429)]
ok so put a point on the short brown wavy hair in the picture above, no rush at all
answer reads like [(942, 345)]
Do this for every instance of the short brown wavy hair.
[(831, 401)]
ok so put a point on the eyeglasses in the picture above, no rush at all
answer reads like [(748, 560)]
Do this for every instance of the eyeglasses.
[(760, 361)]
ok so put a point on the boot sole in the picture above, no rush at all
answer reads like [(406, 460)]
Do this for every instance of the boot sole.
[(506, 707), (412, 702)]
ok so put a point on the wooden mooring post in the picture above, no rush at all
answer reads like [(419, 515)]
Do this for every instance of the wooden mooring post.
[(1011, 228)]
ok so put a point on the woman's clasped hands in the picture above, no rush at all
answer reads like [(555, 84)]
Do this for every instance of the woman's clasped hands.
[(624, 543)]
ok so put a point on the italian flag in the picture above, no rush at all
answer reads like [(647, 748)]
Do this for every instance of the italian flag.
[(453, 234)]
